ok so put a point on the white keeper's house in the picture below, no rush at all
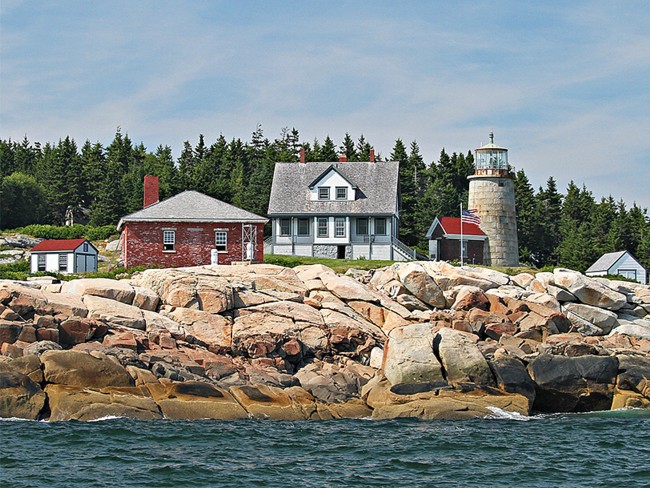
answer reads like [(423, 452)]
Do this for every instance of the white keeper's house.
[(344, 210)]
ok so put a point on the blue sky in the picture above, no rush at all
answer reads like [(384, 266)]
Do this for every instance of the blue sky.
[(564, 85)]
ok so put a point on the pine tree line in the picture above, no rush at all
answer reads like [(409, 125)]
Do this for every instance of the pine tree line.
[(39, 184)]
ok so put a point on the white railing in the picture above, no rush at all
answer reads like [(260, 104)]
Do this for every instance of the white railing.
[(403, 249)]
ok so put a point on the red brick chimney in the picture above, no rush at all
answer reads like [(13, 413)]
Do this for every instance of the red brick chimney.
[(302, 154), (372, 154), (150, 190), (343, 158)]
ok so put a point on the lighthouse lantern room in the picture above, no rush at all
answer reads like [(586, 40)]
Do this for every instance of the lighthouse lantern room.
[(492, 194)]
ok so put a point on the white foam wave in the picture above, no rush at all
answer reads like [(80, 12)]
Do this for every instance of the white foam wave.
[(499, 413), (107, 417)]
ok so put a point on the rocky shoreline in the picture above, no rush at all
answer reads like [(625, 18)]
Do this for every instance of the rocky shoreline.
[(418, 339)]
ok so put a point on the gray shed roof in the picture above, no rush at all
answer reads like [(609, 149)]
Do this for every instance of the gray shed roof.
[(376, 194), (192, 206), (605, 262)]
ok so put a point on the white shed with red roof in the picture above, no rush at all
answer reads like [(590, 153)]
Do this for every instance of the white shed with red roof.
[(64, 256)]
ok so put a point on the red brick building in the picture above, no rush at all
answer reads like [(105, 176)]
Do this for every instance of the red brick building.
[(189, 229), (445, 237)]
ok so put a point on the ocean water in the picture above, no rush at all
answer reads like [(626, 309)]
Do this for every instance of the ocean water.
[(606, 449)]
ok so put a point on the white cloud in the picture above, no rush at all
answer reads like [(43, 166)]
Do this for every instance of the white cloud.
[(564, 87)]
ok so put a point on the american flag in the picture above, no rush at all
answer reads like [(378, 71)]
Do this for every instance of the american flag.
[(470, 216)]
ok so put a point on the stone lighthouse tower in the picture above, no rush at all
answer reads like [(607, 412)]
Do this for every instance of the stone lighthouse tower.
[(492, 193)]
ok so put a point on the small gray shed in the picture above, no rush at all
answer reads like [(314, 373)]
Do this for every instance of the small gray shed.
[(619, 263)]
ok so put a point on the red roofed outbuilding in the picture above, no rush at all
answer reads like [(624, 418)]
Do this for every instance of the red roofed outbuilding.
[(64, 256), (445, 236)]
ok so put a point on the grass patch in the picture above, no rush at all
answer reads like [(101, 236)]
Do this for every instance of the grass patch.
[(338, 265)]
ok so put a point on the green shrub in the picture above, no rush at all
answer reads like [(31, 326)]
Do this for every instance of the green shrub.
[(76, 231), (21, 266), (99, 233), (617, 277)]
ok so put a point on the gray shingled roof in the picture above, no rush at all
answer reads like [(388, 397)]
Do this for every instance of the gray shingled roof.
[(192, 206), (376, 192), (605, 262)]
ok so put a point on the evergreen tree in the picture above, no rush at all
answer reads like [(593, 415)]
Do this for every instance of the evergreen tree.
[(223, 167), (186, 166), (411, 176), (61, 176), (526, 218), (107, 207), (22, 201), (363, 149), (25, 156), (328, 151), (93, 162), (549, 209), (607, 227), (347, 148), (575, 249), (633, 226), (239, 171), (161, 164)]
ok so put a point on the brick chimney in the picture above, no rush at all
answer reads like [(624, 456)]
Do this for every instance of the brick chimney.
[(372, 154), (302, 154), (150, 190), (343, 158)]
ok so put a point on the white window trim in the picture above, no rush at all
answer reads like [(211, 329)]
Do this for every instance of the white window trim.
[(356, 226), (222, 232), (171, 232), (308, 227), (318, 228), (385, 232), (280, 227), (41, 259), (339, 220)]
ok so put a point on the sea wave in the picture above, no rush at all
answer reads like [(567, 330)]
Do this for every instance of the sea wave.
[(107, 417), (499, 413)]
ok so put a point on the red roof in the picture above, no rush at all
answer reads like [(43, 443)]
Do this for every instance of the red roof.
[(58, 245), (451, 225)]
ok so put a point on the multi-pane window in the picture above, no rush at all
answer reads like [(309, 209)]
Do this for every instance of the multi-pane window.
[(341, 193), (324, 193), (322, 226), (285, 227), (63, 262), (303, 227), (380, 226), (85, 247), (41, 262), (169, 240), (339, 226), (221, 240), (362, 227)]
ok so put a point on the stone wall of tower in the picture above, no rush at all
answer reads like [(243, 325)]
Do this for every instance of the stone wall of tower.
[(494, 198)]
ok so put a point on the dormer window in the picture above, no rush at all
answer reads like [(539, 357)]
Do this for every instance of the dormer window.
[(341, 193), (324, 193)]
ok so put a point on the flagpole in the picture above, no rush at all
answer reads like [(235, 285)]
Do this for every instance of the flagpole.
[(461, 234)]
